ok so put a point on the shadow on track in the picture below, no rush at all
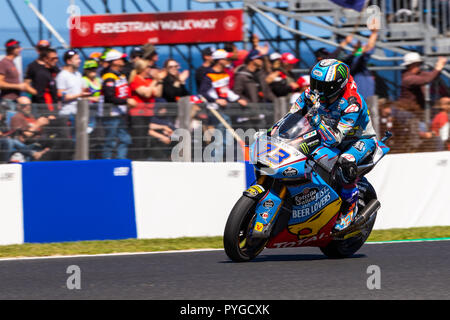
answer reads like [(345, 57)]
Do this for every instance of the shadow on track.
[(293, 257)]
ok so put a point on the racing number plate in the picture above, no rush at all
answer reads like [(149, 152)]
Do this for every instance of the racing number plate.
[(273, 155)]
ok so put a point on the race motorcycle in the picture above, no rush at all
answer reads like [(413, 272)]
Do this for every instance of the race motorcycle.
[(294, 202)]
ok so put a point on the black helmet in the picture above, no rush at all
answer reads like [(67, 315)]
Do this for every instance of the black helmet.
[(329, 77)]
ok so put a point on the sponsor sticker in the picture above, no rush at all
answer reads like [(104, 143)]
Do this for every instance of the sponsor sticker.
[(307, 195), (327, 62), (317, 73), (304, 148), (121, 171), (268, 204), (290, 172), (348, 156), (352, 108), (255, 190), (309, 134), (259, 226), (360, 145), (264, 215)]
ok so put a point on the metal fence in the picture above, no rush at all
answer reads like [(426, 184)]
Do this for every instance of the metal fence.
[(433, 13), (193, 127)]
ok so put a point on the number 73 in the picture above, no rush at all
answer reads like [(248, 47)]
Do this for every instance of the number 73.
[(275, 155)]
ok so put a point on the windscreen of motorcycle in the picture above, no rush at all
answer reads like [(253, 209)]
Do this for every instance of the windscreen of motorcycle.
[(296, 131)]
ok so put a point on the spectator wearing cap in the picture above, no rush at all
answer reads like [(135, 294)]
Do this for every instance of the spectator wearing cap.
[(42, 78), (91, 82), (281, 80), (174, 83), (215, 88), (70, 84), (136, 54), (150, 54), (96, 55), (414, 78), (116, 93), (215, 84), (102, 64), (271, 70), (247, 81), (10, 84), (207, 63)]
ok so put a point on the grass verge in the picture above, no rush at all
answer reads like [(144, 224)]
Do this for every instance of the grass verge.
[(146, 245)]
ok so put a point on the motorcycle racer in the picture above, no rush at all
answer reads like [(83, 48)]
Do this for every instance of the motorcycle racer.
[(343, 122)]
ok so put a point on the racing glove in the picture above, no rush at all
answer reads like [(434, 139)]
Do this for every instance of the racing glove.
[(315, 120)]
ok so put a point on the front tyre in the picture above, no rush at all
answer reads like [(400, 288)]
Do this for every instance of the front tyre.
[(237, 241)]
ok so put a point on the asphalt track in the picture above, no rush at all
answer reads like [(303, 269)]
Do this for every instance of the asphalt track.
[(412, 270)]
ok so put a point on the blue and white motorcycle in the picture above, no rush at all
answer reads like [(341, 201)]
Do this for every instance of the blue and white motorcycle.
[(294, 202)]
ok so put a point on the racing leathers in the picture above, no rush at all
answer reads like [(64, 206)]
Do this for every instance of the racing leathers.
[(343, 124)]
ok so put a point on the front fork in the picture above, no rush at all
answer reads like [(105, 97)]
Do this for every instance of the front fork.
[(269, 205)]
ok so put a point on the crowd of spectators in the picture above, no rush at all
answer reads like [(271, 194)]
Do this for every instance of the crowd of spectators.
[(131, 95)]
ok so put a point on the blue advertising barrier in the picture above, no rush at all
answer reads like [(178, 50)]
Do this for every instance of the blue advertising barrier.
[(78, 200)]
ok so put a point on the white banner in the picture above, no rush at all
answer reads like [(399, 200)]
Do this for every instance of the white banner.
[(11, 212), (185, 199), (414, 190)]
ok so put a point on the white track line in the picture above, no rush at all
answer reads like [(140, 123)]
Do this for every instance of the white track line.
[(408, 241), (107, 254)]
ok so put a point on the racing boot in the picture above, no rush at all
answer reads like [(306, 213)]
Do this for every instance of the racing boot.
[(349, 196)]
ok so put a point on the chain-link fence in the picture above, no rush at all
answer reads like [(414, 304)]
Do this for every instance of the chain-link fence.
[(183, 131)]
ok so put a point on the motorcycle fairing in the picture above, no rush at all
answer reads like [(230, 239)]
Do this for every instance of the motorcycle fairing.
[(326, 157), (275, 155), (309, 199), (380, 152), (267, 211), (315, 209), (320, 230)]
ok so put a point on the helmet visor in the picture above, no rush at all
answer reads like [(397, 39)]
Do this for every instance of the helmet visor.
[(326, 90)]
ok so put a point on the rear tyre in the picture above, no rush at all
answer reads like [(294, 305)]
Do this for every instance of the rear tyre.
[(338, 249), (237, 241)]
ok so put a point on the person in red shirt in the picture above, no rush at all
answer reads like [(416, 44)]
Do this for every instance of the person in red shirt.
[(143, 90)]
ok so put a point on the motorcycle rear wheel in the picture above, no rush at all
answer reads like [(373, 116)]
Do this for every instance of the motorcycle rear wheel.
[(237, 241), (338, 249)]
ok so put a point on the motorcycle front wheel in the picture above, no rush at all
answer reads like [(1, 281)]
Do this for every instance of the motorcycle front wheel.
[(237, 241)]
